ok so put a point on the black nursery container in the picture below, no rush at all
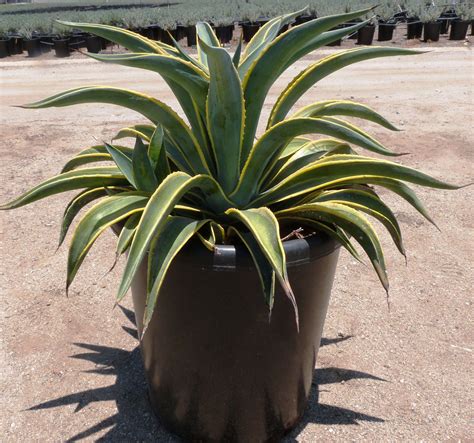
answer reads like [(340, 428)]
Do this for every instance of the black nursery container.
[(386, 31), (61, 47), (4, 48), (459, 29), (303, 19), (231, 375), (94, 44), (414, 28), (249, 30), (15, 45), (225, 33), (365, 35), (191, 36), (431, 31), (32, 46)]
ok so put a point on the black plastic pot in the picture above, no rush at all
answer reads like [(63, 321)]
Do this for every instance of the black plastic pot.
[(446, 19), (472, 27), (386, 32), (46, 43), (15, 45), (249, 30), (459, 29), (61, 47), (218, 369), (4, 48), (105, 42), (191, 35), (94, 44), (180, 32), (145, 32), (414, 28), (32, 46), (283, 29), (365, 35), (224, 33), (431, 31)]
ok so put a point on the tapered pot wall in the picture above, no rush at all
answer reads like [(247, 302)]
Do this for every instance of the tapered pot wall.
[(218, 369)]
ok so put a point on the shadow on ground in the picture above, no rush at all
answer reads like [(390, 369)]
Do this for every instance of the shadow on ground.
[(134, 420)]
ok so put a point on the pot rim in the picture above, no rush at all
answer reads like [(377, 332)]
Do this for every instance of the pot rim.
[(233, 257)]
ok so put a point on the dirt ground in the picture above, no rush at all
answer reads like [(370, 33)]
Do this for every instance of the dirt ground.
[(70, 367)]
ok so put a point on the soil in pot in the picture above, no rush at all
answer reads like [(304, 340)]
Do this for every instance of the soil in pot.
[(365, 35), (386, 32), (191, 36), (249, 30), (414, 28), (61, 47), (94, 44), (32, 46), (230, 374), (459, 29), (4, 48), (431, 31)]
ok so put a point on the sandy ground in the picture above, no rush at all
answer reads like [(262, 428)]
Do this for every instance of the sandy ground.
[(70, 368)]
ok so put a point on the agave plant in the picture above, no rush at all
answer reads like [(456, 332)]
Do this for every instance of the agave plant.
[(211, 177)]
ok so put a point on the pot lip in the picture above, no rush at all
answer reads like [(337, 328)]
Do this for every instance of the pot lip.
[(233, 257)]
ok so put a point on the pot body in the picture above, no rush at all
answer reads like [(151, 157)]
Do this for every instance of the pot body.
[(459, 29), (365, 35), (385, 32), (431, 31), (217, 368), (4, 52), (414, 28), (94, 44), (61, 47), (33, 47)]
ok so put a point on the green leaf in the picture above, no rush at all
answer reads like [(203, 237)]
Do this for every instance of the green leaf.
[(271, 63), (369, 203), (341, 170), (74, 207), (69, 181), (177, 231), (237, 54), (181, 72), (321, 69), (351, 221), (160, 205), (225, 115), (156, 111), (123, 162), (205, 34), (305, 156), (293, 146), (264, 268), (264, 227), (143, 171), (127, 233), (157, 154), (267, 150), (264, 36), (128, 39), (143, 131), (93, 154), (101, 216), (343, 107)]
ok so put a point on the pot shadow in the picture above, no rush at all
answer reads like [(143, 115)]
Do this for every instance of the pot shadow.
[(135, 421)]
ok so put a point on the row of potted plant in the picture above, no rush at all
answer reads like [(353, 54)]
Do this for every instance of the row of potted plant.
[(37, 33)]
